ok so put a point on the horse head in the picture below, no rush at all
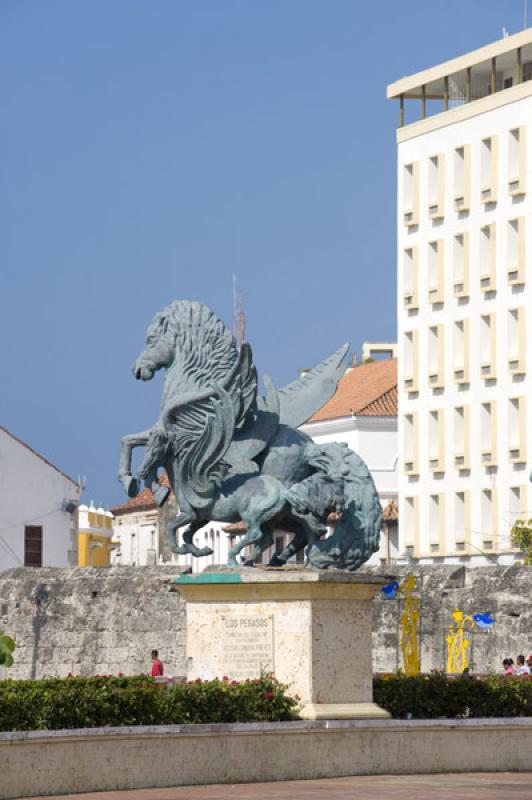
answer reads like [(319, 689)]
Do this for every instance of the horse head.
[(159, 350)]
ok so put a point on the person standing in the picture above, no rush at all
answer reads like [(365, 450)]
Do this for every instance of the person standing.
[(522, 668), (157, 668), (508, 666)]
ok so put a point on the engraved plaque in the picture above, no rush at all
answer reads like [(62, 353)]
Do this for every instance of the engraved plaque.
[(247, 646)]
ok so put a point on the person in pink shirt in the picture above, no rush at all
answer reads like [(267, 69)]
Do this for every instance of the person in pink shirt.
[(157, 667), (508, 666)]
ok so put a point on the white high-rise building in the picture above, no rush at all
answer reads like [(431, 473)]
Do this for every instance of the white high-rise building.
[(465, 303)]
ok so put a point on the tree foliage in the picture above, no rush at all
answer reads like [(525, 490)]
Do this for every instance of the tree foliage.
[(7, 646), (521, 535)]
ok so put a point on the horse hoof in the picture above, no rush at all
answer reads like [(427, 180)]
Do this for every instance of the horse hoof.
[(205, 551), (276, 562), (132, 487)]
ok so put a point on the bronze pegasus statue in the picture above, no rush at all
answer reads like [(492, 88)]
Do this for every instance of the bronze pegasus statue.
[(231, 454)]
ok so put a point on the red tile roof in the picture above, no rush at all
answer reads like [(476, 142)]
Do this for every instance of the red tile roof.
[(369, 390), (35, 453), (144, 501)]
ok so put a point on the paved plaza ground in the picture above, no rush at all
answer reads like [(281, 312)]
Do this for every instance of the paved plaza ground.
[(461, 786)]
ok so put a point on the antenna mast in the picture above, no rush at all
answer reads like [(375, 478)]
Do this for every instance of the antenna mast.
[(239, 317)]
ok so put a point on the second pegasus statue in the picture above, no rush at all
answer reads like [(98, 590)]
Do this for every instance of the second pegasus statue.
[(231, 454)]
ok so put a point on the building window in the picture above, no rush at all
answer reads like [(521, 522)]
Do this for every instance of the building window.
[(515, 251), (411, 194), (436, 271), (514, 505), (488, 170), (435, 356), (410, 444), (409, 528), (436, 440), (460, 351), (486, 512), (436, 187), (461, 178), (461, 265), (517, 430), (459, 520), (517, 161), (410, 276), (488, 443), (516, 341), (488, 258), (33, 546), (434, 521), (410, 361), (488, 346)]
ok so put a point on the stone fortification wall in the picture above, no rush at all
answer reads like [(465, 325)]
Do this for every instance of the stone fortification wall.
[(94, 621), (91, 621), (505, 591)]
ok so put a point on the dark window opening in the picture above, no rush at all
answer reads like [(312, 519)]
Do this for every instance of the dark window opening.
[(33, 546)]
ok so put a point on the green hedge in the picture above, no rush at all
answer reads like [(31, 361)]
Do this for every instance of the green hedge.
[(435, 696), (57, 703)]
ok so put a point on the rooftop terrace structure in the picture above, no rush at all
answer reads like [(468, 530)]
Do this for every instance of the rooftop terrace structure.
[(496, 74)]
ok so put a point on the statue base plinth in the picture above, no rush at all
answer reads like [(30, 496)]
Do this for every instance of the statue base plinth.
[(310, 628)]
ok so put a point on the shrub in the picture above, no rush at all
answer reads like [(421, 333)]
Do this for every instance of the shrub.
[(436, 696), (7, 646), (58, 703)]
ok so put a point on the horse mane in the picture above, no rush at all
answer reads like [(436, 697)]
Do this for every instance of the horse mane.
[(209, 391), (207, 350)]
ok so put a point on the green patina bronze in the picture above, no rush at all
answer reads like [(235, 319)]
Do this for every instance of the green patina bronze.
[(208, 577), (231, 454)]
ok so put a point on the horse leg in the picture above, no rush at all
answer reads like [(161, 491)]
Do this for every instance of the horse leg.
[(182, 519), (298, 542), (188, 545), (160, 493), (258, 548), (254, 534), (127, 445)]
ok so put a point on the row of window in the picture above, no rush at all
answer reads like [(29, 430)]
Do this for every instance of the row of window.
[(461, 177), (485, 356), (458, 438), (459, 513), (459, 260)]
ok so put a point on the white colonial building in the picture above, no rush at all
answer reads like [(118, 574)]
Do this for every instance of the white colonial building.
[(136, 531), (465, 302), (38, 509)]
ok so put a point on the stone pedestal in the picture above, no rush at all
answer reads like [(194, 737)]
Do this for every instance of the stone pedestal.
[(312, 629)]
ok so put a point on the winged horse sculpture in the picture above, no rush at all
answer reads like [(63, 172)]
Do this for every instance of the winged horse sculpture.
[(232, 454)]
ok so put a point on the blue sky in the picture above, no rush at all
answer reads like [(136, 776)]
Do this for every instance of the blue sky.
[(151, 149)]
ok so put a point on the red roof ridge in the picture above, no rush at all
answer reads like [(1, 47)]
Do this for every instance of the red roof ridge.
[(360, 388), (144, 501)]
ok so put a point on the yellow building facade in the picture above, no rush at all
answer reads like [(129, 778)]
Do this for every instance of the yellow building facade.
[(95, 532)]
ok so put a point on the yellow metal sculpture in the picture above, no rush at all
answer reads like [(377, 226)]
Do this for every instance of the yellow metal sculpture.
[(458, 648), (409, 627)]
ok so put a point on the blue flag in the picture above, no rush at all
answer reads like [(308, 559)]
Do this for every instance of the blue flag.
[(390, 591), (484, 620)]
